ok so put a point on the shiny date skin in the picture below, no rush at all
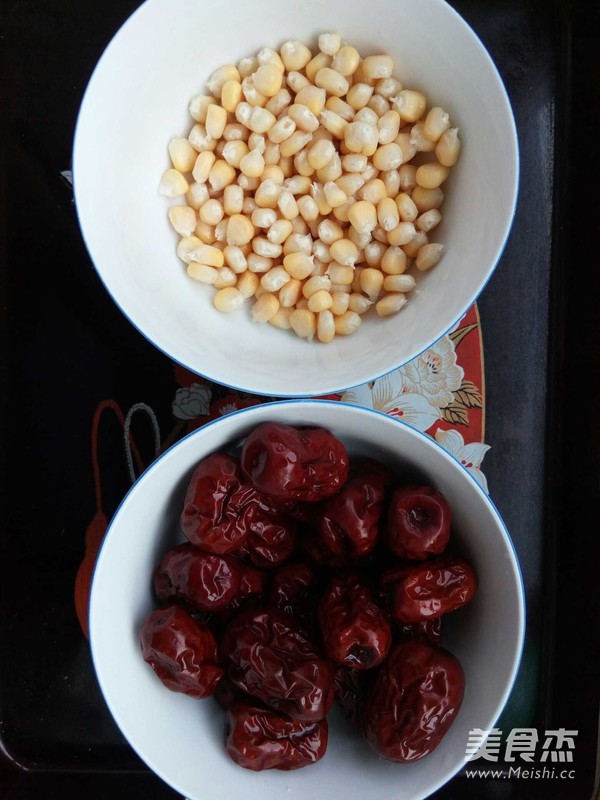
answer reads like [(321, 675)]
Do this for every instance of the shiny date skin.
[(267, 655), (356, 632), (201, 581), (423, 592), (257, 738), (288, 464), (181, 651), (419, 521), (413, 701)]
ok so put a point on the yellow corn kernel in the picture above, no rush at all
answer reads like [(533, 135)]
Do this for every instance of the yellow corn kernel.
[(294, 143), (402, 234), (340, 274), (252, 164), (220, 76), (431, 175), (275, 279), (183, 219), (367, 115), (388, 126), (418, 139), (272, 158), (333, 123), (267, 194), (410, 104), (330, 43), (248, 184), (228, 299), (268, 79), (196, 195), (359, 303), (374, 253), (205, 232), (235, 131), (388, 88), (320, 301), (216, 119), (182, 154), (225, 277), (318, 194), (287, 205), (325, 326), (419, 240), (387, 214), (428, 220), (373, 191), (340, 301), (247, 284), (331, 171), (307, 207), (279, 102), (361, 137), (391, 181), (316, 283), (406, 207), (379, 105), (290, 293), (371, 281), (337, 105), (279, 231), (436, 123), (394, 261), (428, 256), (199, 106), (341, 212), (303, 117), (258, 263), (321, 153), (221, 175), (390, 304), (261, 120), (263, 247), (346, 60), (202, 272), (235, 259), (233, 152), (377, 67), (299, 265), (333, 82), (329, 231), (211, 212), (313, 98), (334, 195), (231, 95), (233, 199), (388, 156), (303, 322), (399, 283), (240, 230), (317, 63), (268, 56), (200, 139), (203, 165), (448, 148), (346, 324), (344, 252), (359, 95), (354, 162), (263, 217), (265, 307), (407, 145), (172, 184), (282, 130), (363, 216), (295, 55), (426, 199), (281, 319)]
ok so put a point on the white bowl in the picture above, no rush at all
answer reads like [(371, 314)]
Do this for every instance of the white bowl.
[(137, 100), (181, 739)]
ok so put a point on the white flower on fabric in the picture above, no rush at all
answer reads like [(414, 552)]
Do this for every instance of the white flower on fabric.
[(434, 374), (470, 455), (192, 401), (387, 395)]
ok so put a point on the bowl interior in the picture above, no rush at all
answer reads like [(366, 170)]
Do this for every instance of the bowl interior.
[(137, 101), (181, 738)]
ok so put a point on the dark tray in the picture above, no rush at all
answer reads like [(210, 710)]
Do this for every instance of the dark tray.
[(66, 346)]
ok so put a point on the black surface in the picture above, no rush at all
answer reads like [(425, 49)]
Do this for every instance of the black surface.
[(66, 346)]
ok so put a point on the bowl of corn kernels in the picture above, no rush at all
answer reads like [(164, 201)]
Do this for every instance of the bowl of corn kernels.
[(295, 198)]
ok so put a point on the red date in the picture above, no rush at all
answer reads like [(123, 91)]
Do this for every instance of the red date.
[(181, 651), (203, 581), (355, 631), (267, 656), (348, 523), (413, 701), (292, 590), (418, 522), (271, 538), (430, 590), (216, 505), (287, 464), (258, 738), (430, 629), (350, 686)]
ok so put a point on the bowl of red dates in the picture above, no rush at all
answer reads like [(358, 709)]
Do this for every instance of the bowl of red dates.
[(306, 598)]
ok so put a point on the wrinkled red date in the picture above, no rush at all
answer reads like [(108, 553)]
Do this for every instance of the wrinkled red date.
[(258, 738), (347, 525), (287, 464), (350, 686), (429, 590), (203, 581), (267, 656), (271, 535), (428, 628), (355, 631), (292, 590), (413, 701), (418, 522), (181, 651), (216, 505)]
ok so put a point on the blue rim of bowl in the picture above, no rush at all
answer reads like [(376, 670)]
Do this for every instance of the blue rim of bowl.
[(333, 403), (327, 389)]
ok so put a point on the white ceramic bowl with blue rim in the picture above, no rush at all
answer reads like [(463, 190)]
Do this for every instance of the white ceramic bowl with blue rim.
[(137, 100), (181, 739)]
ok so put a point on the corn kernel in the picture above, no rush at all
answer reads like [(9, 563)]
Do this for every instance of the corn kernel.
[(359, 95), (281, 319), (330, 43), (240, 230), (199, 106), (247, 284), (268, 56), (334, 123), (402, 234), (428, 256), (347, 324), (228, 299), (410, 104), (320, 61), (279, 102), (299, 265), (290, 293), (202, 272), (265, 307), (333, 82), (346, 60), (390, 304), (172, 184), (334, 195), (282, 130), (426, 199), (304, 323), (303, 117), (183, 220), (448, 148), (295, 55)]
